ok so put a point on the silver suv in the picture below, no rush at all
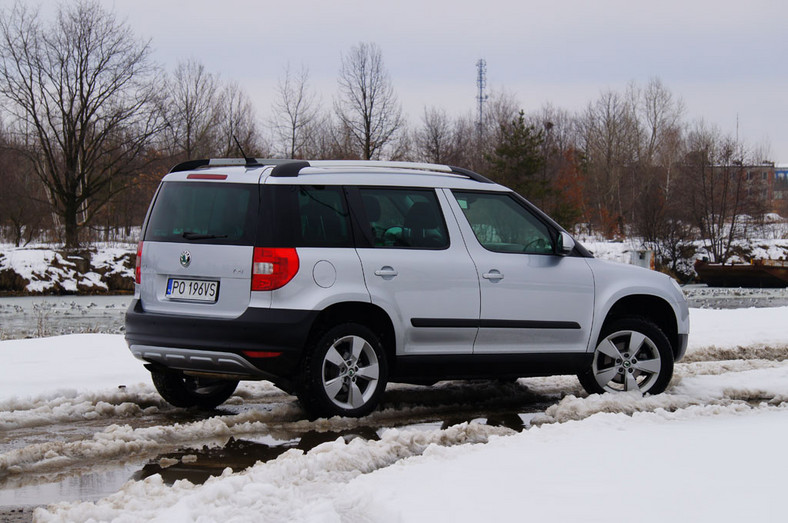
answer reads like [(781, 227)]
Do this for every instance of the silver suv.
[(332, 278)]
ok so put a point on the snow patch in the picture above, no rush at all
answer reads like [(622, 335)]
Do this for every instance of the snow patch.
[(710, 390), (758, 351), (122, 442), (70, 406)]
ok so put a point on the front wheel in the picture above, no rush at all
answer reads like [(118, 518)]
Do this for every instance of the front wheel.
[(346, 373), (184, 391), (632, 354)]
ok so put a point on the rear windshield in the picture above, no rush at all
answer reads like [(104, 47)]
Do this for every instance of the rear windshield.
[(204, 212)]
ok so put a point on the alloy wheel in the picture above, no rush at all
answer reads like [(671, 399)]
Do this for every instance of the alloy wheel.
[(626, 360), (350, 372)]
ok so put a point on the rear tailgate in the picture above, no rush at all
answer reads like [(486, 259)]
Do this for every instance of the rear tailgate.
[(197, 247), (213, 284)]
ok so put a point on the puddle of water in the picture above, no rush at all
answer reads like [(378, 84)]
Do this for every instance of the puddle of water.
[(85, 487), (197, 465)]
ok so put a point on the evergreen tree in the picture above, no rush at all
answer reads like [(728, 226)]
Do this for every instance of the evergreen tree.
[(517, 160)]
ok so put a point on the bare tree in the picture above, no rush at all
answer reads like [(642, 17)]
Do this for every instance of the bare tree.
[(296, 115), (23, 206), (339, 142), (502, 109), (434, 140), (659, 215), (238, 122), (401, 148), (81, 91), (191, 111), (660, 113), (560, 128), (367, 107), (720, 192), (466, 146), (609, 138)]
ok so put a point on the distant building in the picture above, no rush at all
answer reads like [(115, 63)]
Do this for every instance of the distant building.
[(777, 189), (761, 178), (780, 185), (771, 181), (766, 183)]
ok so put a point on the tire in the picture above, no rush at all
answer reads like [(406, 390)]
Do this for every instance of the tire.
[(345, 374), (631, 354), (184, 391)]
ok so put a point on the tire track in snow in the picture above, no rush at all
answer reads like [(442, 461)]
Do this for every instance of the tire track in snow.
[(282, 417), (119, 443), (285, 489)]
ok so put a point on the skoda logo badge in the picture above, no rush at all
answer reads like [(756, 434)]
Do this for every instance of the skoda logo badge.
[(186, 258)]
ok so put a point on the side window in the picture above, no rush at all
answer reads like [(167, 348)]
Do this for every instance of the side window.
[(324, 220), (501, 224), (404, 218), (309, 216)]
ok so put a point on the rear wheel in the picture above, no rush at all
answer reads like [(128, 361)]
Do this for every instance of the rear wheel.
[(632, 354), (346, 373), (184, 391)]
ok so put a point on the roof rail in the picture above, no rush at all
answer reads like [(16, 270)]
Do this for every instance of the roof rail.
[(288, 168), (191, 165), (473, 175), (382, 164)]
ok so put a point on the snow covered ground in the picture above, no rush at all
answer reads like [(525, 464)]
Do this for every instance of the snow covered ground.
[(709, 449), (41, 269)]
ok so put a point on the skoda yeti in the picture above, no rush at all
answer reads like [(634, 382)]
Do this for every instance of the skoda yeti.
[(332, 278)]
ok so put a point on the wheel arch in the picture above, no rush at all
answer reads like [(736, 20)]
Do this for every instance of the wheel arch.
[(652, 308), (367, 314)]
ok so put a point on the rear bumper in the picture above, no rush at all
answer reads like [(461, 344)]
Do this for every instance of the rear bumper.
[(216, 345)]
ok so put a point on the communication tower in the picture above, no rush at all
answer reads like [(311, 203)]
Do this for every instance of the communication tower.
[(481, 97)]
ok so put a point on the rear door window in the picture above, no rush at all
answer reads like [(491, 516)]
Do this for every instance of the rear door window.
[(205, 212), (403, 218)]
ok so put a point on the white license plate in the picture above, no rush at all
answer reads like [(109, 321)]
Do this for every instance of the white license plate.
[(193, 290)]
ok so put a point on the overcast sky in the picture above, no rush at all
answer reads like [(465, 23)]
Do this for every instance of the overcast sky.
[(723, 58)]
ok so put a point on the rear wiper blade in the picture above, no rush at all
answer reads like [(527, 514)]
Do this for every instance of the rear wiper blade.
[(198, 236)]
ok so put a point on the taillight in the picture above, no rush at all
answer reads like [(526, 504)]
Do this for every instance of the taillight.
[(273, 268), (138, 265)]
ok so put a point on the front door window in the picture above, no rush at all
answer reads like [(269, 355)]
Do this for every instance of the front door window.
[(502, 225)]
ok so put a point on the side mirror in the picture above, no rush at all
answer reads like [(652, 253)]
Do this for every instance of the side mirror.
[(565, 244)]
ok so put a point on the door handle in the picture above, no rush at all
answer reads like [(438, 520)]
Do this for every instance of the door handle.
[(494, 275), (386, 272)]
